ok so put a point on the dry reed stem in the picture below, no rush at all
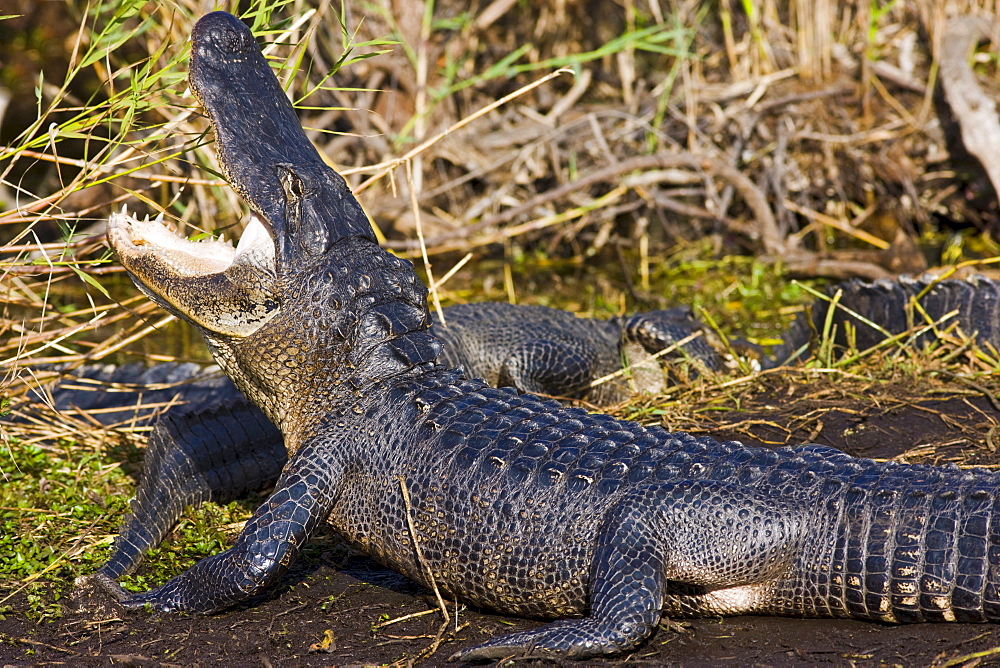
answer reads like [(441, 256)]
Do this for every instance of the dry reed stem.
[(412, 188), (627, 369), (386, 167), (446, 617)]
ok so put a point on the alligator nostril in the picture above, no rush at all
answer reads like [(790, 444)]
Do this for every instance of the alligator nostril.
[(225, 32)]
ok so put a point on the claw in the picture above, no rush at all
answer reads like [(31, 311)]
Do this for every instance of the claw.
[(104, 583), (567, 638), (481, 653)]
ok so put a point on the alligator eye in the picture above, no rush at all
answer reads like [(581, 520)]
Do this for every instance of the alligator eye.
[(291, 183)]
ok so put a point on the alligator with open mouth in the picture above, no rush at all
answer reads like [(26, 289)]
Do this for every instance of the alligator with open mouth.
[(208, 443), (502, 499)]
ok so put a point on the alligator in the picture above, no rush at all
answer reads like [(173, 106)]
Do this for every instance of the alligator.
[(554, 353), (545, 351), (211, 444), (506, 500)]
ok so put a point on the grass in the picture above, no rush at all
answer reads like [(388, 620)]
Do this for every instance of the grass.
[(60, 508), (706, 81)]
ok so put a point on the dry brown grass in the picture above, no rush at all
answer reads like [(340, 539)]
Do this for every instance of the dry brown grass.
[(802, 132)]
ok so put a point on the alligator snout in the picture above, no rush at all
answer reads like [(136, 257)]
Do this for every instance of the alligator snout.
[(224, 34)]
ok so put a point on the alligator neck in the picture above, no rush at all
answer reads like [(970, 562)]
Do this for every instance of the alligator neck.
[(334, 342)]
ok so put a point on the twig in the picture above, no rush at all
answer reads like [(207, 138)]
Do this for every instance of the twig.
[(415, 206), (657, 355), (412, 615), (386, 167), (111, 168), (36, 643), (966, 658), (837, 224), (975, 110), (767, 231), (974, 385), (451, 272), (430, 649)]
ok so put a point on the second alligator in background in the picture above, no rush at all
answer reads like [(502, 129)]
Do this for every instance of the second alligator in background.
[(546, 351)]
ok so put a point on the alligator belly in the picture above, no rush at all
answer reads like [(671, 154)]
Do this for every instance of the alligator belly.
[(692, 601)]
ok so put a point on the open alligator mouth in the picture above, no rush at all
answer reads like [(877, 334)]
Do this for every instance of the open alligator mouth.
[(300, 206), (221, 288), (158, 241)]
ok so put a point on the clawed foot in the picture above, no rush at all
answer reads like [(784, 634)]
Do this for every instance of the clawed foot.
[(98, 595), (103, 583), (573, 639), (103, 586)]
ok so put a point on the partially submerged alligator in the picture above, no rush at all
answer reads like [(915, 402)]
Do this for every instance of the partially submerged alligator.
[(550, 352), (513, 503), (546, 351)]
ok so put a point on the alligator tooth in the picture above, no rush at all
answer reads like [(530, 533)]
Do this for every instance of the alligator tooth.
[(254, 234), (159, 219), (125, 209)]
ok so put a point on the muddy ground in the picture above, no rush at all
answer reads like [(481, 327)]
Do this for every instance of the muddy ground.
[(347, 595)]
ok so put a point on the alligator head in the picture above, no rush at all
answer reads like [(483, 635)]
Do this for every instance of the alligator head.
[(307, 304)]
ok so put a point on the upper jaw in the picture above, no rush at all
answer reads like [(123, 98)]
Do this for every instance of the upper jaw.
[(263, 151), (302, 207), (184, 257)]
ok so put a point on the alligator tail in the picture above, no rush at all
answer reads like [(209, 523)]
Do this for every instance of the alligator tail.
[(218, 454), (973, 305), (132, 394), (918, 552)]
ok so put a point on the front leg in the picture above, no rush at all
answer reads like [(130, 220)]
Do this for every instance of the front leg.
[(268, 544), (548, 367)]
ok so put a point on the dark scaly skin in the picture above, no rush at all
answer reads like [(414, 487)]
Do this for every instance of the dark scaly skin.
[(546, 351), (973, 305), (197, 454), (235, 433), (213, 444), (975, 301), (522, 505)]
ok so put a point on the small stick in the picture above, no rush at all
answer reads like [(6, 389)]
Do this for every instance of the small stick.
[(423, 247), (451, 272), (669, 349), (389, 622), (388, 166), (430, 649)]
